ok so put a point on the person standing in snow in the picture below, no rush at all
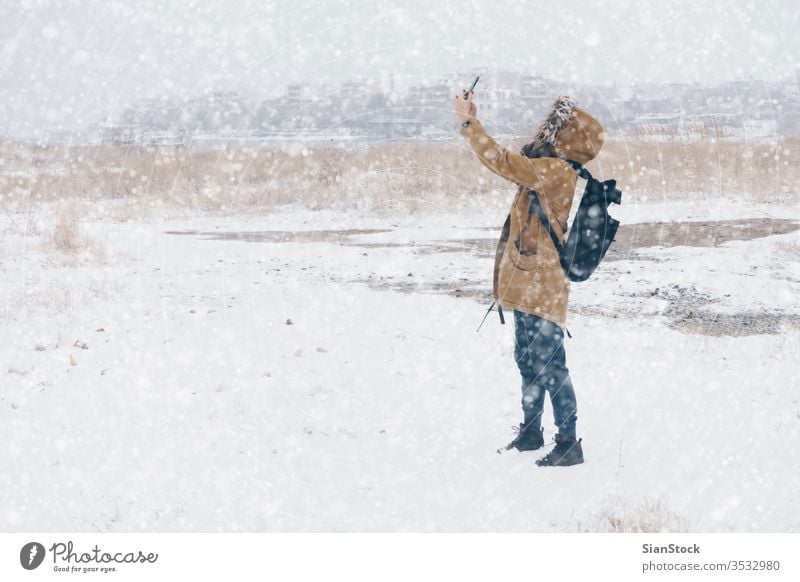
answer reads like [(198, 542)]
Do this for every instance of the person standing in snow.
[(528, 277)]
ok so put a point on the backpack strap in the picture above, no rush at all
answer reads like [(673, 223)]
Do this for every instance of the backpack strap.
[(579, 168), (536, 207), (609, 187)]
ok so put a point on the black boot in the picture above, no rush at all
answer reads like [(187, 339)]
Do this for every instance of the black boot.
[(529, 438), (567, 451)]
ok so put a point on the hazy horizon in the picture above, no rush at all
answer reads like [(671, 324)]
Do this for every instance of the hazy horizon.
[(67, 63)]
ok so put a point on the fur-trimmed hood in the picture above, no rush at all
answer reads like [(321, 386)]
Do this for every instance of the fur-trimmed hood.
[(574, 133)]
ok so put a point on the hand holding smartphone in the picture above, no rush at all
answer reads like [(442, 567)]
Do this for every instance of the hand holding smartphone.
[(472, 87), (465, 108)]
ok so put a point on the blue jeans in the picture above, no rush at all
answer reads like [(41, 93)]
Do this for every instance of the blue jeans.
[(539, 353)]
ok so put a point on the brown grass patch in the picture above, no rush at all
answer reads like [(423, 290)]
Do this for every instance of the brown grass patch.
[(397, 177)]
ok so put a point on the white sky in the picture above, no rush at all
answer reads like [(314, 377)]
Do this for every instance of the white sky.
[(71, 62)]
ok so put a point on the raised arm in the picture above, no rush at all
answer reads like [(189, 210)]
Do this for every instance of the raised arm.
[(503, 162)]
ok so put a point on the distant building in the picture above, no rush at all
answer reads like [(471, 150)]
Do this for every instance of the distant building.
[(430, 94), (656, 123), (395, 128), (534, 87), (160, 114), (121, 134), (306, 92), (354, 89), (510, 102), (760, 127)]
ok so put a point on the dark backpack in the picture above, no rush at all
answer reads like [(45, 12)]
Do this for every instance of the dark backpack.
[(592, 230)]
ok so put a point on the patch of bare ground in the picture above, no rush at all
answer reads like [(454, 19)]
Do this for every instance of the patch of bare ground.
[(686, 309)]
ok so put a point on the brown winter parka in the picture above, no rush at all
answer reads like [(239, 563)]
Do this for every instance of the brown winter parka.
[(527, 272)]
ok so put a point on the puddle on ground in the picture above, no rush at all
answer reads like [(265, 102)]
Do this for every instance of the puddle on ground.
[(686, 312), (699, 234), (640, 235), (281, 236)]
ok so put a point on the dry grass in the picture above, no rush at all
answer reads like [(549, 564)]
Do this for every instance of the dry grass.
[(398, 177), (67, 237), (751, 171), (648, 516)]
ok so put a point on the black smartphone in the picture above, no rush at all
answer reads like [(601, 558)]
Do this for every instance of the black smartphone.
[(472, 88)]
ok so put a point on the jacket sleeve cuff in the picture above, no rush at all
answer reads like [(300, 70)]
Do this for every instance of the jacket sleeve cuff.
[(474, 134)]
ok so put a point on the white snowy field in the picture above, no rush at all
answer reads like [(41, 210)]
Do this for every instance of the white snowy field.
[(335, 382)]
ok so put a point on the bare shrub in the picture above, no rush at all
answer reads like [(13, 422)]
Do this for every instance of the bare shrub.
[(68, 238), (66, 235), (618, 515)]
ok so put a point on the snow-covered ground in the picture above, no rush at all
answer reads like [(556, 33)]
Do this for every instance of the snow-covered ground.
[(204, 382)]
